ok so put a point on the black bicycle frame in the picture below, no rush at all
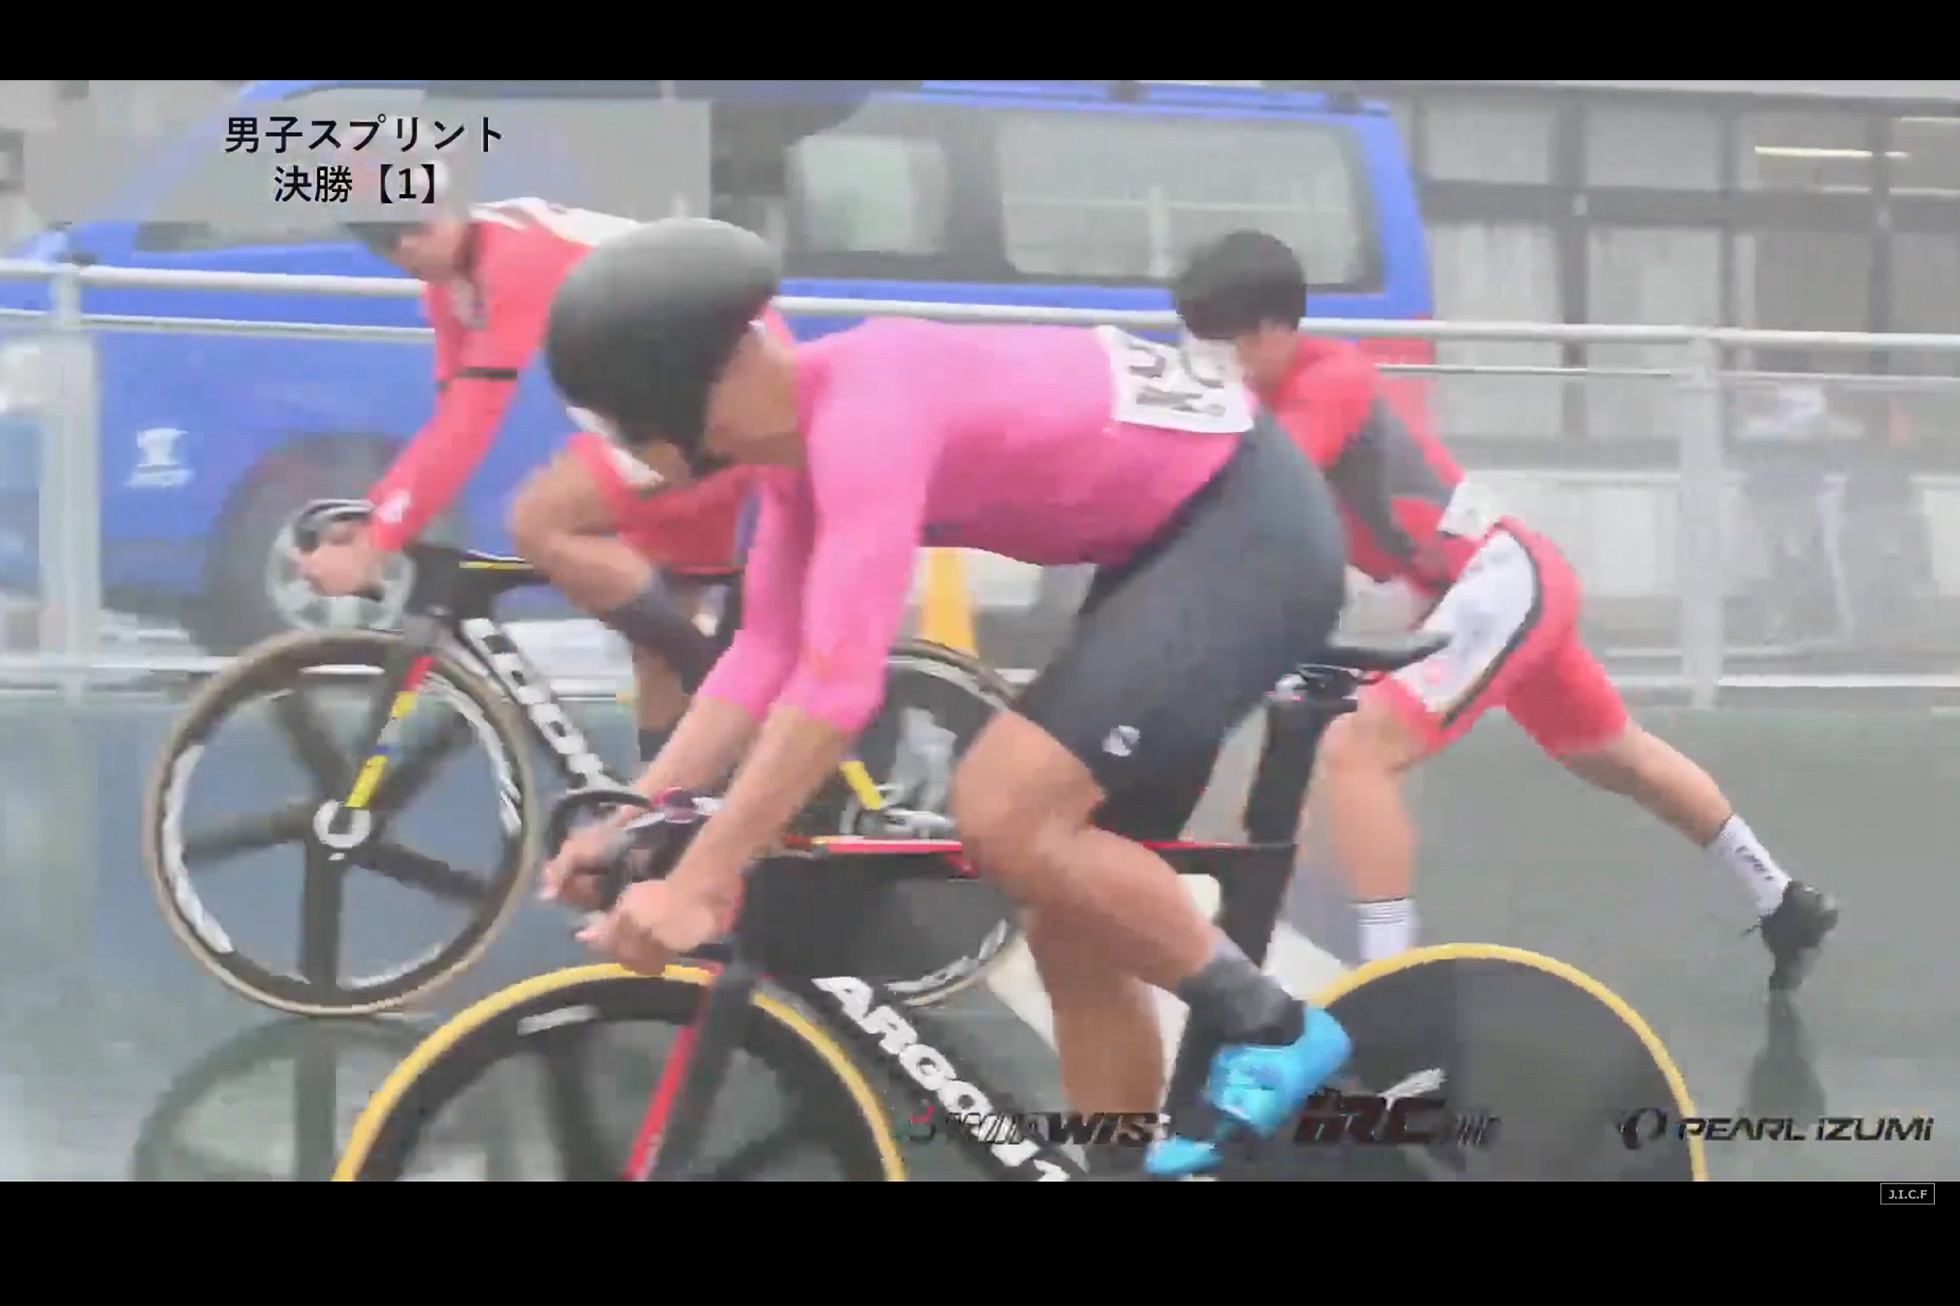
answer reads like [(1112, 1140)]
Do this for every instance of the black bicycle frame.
[(797, 897), (452, 595)]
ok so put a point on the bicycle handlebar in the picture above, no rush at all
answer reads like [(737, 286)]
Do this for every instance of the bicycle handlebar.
[(645, 848), (312, 520)]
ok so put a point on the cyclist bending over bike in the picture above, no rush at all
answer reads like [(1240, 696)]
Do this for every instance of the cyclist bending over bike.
[(1221, 559), (601, 527), (1504, 592)]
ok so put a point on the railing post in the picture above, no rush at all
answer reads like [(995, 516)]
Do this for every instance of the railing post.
[(1701, 566), (71, 489)]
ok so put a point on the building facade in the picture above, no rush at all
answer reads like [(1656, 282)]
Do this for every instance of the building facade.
[(1828, 206), (1736, 203)]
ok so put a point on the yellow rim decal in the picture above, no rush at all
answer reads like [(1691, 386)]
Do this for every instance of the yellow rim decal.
[(466, 1022), (1684, 1105)]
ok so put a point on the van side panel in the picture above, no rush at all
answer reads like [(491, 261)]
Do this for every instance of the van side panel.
[(238, 407)]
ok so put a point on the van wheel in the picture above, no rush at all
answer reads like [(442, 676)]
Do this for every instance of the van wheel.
[(253, 589)]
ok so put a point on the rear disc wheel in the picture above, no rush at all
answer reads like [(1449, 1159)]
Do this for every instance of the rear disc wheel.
[(1530, 1066)]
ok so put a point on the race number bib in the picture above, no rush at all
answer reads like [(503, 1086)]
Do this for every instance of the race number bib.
[(1473, 512), (1173, 388)]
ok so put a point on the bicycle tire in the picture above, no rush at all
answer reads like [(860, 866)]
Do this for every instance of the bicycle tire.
[(991, 925), (161, 1155), (1427, 1020), (279, 661), (457, 1054)]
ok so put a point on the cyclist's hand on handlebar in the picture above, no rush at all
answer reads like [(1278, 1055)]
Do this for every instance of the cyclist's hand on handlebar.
[(345, 562), (655, 922), (569, 877)]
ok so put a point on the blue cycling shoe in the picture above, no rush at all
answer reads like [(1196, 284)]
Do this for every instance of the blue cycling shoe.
[(1261, 1087), (1175, 1157), (1257, 1087)]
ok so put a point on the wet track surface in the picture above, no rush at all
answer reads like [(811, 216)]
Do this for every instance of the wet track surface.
[(121, 1058)]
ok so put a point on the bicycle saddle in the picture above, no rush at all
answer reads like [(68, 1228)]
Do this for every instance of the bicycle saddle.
[(1378, 653)]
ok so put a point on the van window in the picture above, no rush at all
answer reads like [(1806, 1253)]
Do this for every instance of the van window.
[(866, 194), (223, 201), (1118, 197)]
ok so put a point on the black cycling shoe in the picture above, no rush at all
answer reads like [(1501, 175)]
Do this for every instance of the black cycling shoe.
[(1795, 932)]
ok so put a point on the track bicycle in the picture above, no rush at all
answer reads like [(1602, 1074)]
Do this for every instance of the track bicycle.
[(453, 650), (1540, 1049)]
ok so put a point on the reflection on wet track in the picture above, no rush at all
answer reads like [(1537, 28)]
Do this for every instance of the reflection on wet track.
[(121, 1058)]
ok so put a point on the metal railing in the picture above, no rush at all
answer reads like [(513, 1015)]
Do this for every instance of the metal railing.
[(1687, 362)]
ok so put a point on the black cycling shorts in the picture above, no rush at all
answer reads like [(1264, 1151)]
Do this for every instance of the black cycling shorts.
[(1175, 647)]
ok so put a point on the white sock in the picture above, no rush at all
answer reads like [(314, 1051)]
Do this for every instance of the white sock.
[(1386, 928), (1736, 848)]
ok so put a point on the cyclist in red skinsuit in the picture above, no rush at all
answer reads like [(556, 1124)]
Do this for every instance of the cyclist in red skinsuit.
[(1510, 600), (592, 521)]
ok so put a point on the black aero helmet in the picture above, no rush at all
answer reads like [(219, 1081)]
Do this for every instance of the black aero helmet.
[(418, 191), (1238, 283), (642, 327)]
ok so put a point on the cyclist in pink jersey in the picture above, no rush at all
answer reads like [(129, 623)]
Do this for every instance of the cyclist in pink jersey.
[(619, 543), (1221, 562)]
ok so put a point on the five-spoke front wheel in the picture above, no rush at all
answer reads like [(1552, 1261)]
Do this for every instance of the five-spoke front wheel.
[(324, 695)]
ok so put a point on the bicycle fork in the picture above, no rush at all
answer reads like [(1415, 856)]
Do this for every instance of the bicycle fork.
[(405, 670), (677, 1115)]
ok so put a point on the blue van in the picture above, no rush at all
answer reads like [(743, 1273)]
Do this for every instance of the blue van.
[(1077, 194)]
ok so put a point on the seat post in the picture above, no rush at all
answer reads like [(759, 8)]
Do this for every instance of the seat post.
[(1294, 727)]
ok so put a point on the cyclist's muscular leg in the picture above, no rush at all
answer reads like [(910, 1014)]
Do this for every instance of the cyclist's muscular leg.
[(1106, 1035), (1573, 711), (659, 698), (1170, 652), (1023, 803), (1106, 1032), (562, 521), (1357, 805), (1510, 610)]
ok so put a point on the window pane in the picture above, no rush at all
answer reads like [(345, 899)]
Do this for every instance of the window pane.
[(1925, 157), (1119, 197), (1805, 281), (1817, 152), (1926, 282), (1646, 276), (1926, 297), (1653, 147), (871, 194), (1497, 273), (1483, 140)]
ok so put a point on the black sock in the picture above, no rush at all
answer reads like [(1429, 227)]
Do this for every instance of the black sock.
[(1240, 1002), (652, 624)]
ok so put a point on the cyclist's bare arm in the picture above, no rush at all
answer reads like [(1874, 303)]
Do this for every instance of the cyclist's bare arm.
[(712, 736), (719, 726), (860, 524)]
